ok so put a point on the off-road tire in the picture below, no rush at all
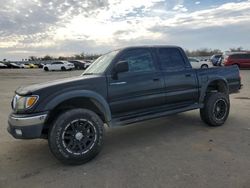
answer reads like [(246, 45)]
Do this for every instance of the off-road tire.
[(211, 113), (57, 139)]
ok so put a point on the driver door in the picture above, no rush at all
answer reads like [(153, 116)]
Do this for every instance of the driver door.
[(139, 88)]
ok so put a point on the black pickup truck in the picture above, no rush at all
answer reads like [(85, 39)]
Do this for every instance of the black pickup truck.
[(121, 87)]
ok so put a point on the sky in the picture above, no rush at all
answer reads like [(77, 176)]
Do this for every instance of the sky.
[(68, 27)]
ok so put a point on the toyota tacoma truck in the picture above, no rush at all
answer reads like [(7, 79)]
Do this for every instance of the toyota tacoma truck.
[(122, 87)]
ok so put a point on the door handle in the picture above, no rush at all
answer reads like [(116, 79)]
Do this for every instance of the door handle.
[(188, 75), (118, 83)]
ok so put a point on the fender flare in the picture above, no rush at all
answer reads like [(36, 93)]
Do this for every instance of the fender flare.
[(209, 81), (96, 98)]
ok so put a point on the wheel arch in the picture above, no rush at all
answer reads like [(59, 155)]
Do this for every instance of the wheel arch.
[(79, 99), (217, 84)]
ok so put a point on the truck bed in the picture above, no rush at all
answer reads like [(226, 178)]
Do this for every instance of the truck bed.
[(230, 74)]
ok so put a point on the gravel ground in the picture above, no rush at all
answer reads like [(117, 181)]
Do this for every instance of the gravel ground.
[(176, 151)]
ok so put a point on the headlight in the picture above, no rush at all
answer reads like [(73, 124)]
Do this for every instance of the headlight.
[(21, 103)]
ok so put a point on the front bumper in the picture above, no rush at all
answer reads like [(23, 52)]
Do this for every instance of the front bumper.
[(26, 126)]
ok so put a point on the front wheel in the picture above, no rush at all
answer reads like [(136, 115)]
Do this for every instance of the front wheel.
[(216, 109), (76, 136)]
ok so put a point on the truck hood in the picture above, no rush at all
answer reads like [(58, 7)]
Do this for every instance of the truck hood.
[(28, 90)]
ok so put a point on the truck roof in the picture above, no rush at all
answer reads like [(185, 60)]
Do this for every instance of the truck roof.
[(150, 46)]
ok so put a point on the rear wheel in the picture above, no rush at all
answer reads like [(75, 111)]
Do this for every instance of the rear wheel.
[(76, 136), (216, 109), (204, 66), (46, 68), (237, 65)]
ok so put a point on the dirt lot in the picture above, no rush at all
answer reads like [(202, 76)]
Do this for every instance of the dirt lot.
[(176, 151)]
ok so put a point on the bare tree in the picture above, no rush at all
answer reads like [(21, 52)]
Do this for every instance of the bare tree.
[(239, 49), (47, 57), (32, 58)]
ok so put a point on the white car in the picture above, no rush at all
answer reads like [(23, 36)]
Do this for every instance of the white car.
[(197, 64), (59, 65), (3, 65)]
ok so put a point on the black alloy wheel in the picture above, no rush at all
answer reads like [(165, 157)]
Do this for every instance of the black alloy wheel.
[(79, 136), (220, 109), (76, 136), (216, 109)]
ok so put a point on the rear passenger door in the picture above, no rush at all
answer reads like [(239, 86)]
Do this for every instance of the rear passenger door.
[(140, 88), (181, 85), (55, 66), (59, 65)]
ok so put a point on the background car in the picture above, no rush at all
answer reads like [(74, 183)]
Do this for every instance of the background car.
[(32, 65), (215, 59), (59, 65), (24, 66), (27, 65), (17, 65), (197, 64), (241, 59), (2, 66), (87, 63), (40, 65), (79, 64), (12, 65)]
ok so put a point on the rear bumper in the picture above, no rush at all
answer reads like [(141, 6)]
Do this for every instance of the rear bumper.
[(26, 126)]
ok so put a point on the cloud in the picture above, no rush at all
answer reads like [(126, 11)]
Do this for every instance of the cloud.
[(180, 8), (72, 26)]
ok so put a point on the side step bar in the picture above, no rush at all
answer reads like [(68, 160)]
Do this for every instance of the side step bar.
[(120, 121)]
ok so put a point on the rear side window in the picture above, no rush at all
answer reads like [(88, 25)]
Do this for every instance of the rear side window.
[(139, 60), (170, 58), (236, 56), (240, 56), (248, 56)]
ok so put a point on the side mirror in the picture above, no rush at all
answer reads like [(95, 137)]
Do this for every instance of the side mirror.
[(121, 66)]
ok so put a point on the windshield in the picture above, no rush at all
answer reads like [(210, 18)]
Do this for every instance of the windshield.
[(100, 65)]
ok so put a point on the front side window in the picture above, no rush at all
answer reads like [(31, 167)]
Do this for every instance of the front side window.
[(170, 58), (139, 60)]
